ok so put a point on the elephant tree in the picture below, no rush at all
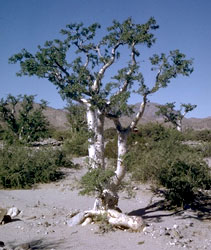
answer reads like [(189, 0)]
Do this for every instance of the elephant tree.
[(84, 80), (174, 116)]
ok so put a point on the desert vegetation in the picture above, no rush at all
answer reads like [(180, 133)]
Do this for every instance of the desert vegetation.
[(154, 153)]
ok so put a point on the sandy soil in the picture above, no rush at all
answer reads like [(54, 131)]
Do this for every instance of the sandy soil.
[(44, 214)]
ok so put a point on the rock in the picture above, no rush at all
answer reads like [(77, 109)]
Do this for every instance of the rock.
[(76, 220)]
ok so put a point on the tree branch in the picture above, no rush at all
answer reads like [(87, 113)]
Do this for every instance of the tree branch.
[(140, 113), (62, 69), (129, 73), (101, 72), (116, 121)]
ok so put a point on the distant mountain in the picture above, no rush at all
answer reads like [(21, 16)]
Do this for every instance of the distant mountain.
[(58, 119)]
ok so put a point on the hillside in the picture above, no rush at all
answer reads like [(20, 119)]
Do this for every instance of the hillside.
[(58, 119)]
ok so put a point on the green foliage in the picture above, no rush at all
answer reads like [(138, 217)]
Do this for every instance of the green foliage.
[(205, 148), (76, 138), (111, 149), (95, 180), (104, 225), (110, 133), (183, 177), (76, 117), (21, 120), (81, 77), (160, 157), (22, 167), (203, 135), (76, 144)]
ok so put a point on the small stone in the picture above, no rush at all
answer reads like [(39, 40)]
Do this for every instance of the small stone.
[(46, 224)]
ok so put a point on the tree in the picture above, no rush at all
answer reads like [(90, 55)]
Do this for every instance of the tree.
[(83, 80), (21, 119), (174, 116)]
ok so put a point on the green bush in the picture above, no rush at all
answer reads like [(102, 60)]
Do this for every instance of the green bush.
[(59, 135), (22, 119), (162, 158), (77, 144), (111, 149), (95, 180), (110, 133), (22, 167), (198, 135)]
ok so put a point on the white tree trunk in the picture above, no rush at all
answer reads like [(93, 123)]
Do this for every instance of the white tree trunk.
[(91, 121), (95, 121), (122, 150), (99, 139), (179, 125)]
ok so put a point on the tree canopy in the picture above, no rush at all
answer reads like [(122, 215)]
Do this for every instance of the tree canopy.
[(78, 63)]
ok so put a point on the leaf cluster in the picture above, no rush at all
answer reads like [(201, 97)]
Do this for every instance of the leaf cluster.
[(170, 66)]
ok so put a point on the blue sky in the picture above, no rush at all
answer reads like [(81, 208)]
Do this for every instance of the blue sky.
[(184, 25)]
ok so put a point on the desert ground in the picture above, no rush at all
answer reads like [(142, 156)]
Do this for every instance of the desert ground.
[(45, 211)]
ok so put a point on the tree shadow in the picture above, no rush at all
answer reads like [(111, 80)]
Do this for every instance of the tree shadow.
[(200, 209), (41, 244), (154, 212)]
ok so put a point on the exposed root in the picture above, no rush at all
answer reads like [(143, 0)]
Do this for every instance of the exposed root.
[(115, 218)]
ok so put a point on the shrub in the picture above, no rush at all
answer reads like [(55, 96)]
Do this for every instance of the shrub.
[(95, 180), (198, 135), (162, 158), (22, 119), (22, 167), (77, 143), (111, 149), (110, 133), (183, 178), (203, 135)]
